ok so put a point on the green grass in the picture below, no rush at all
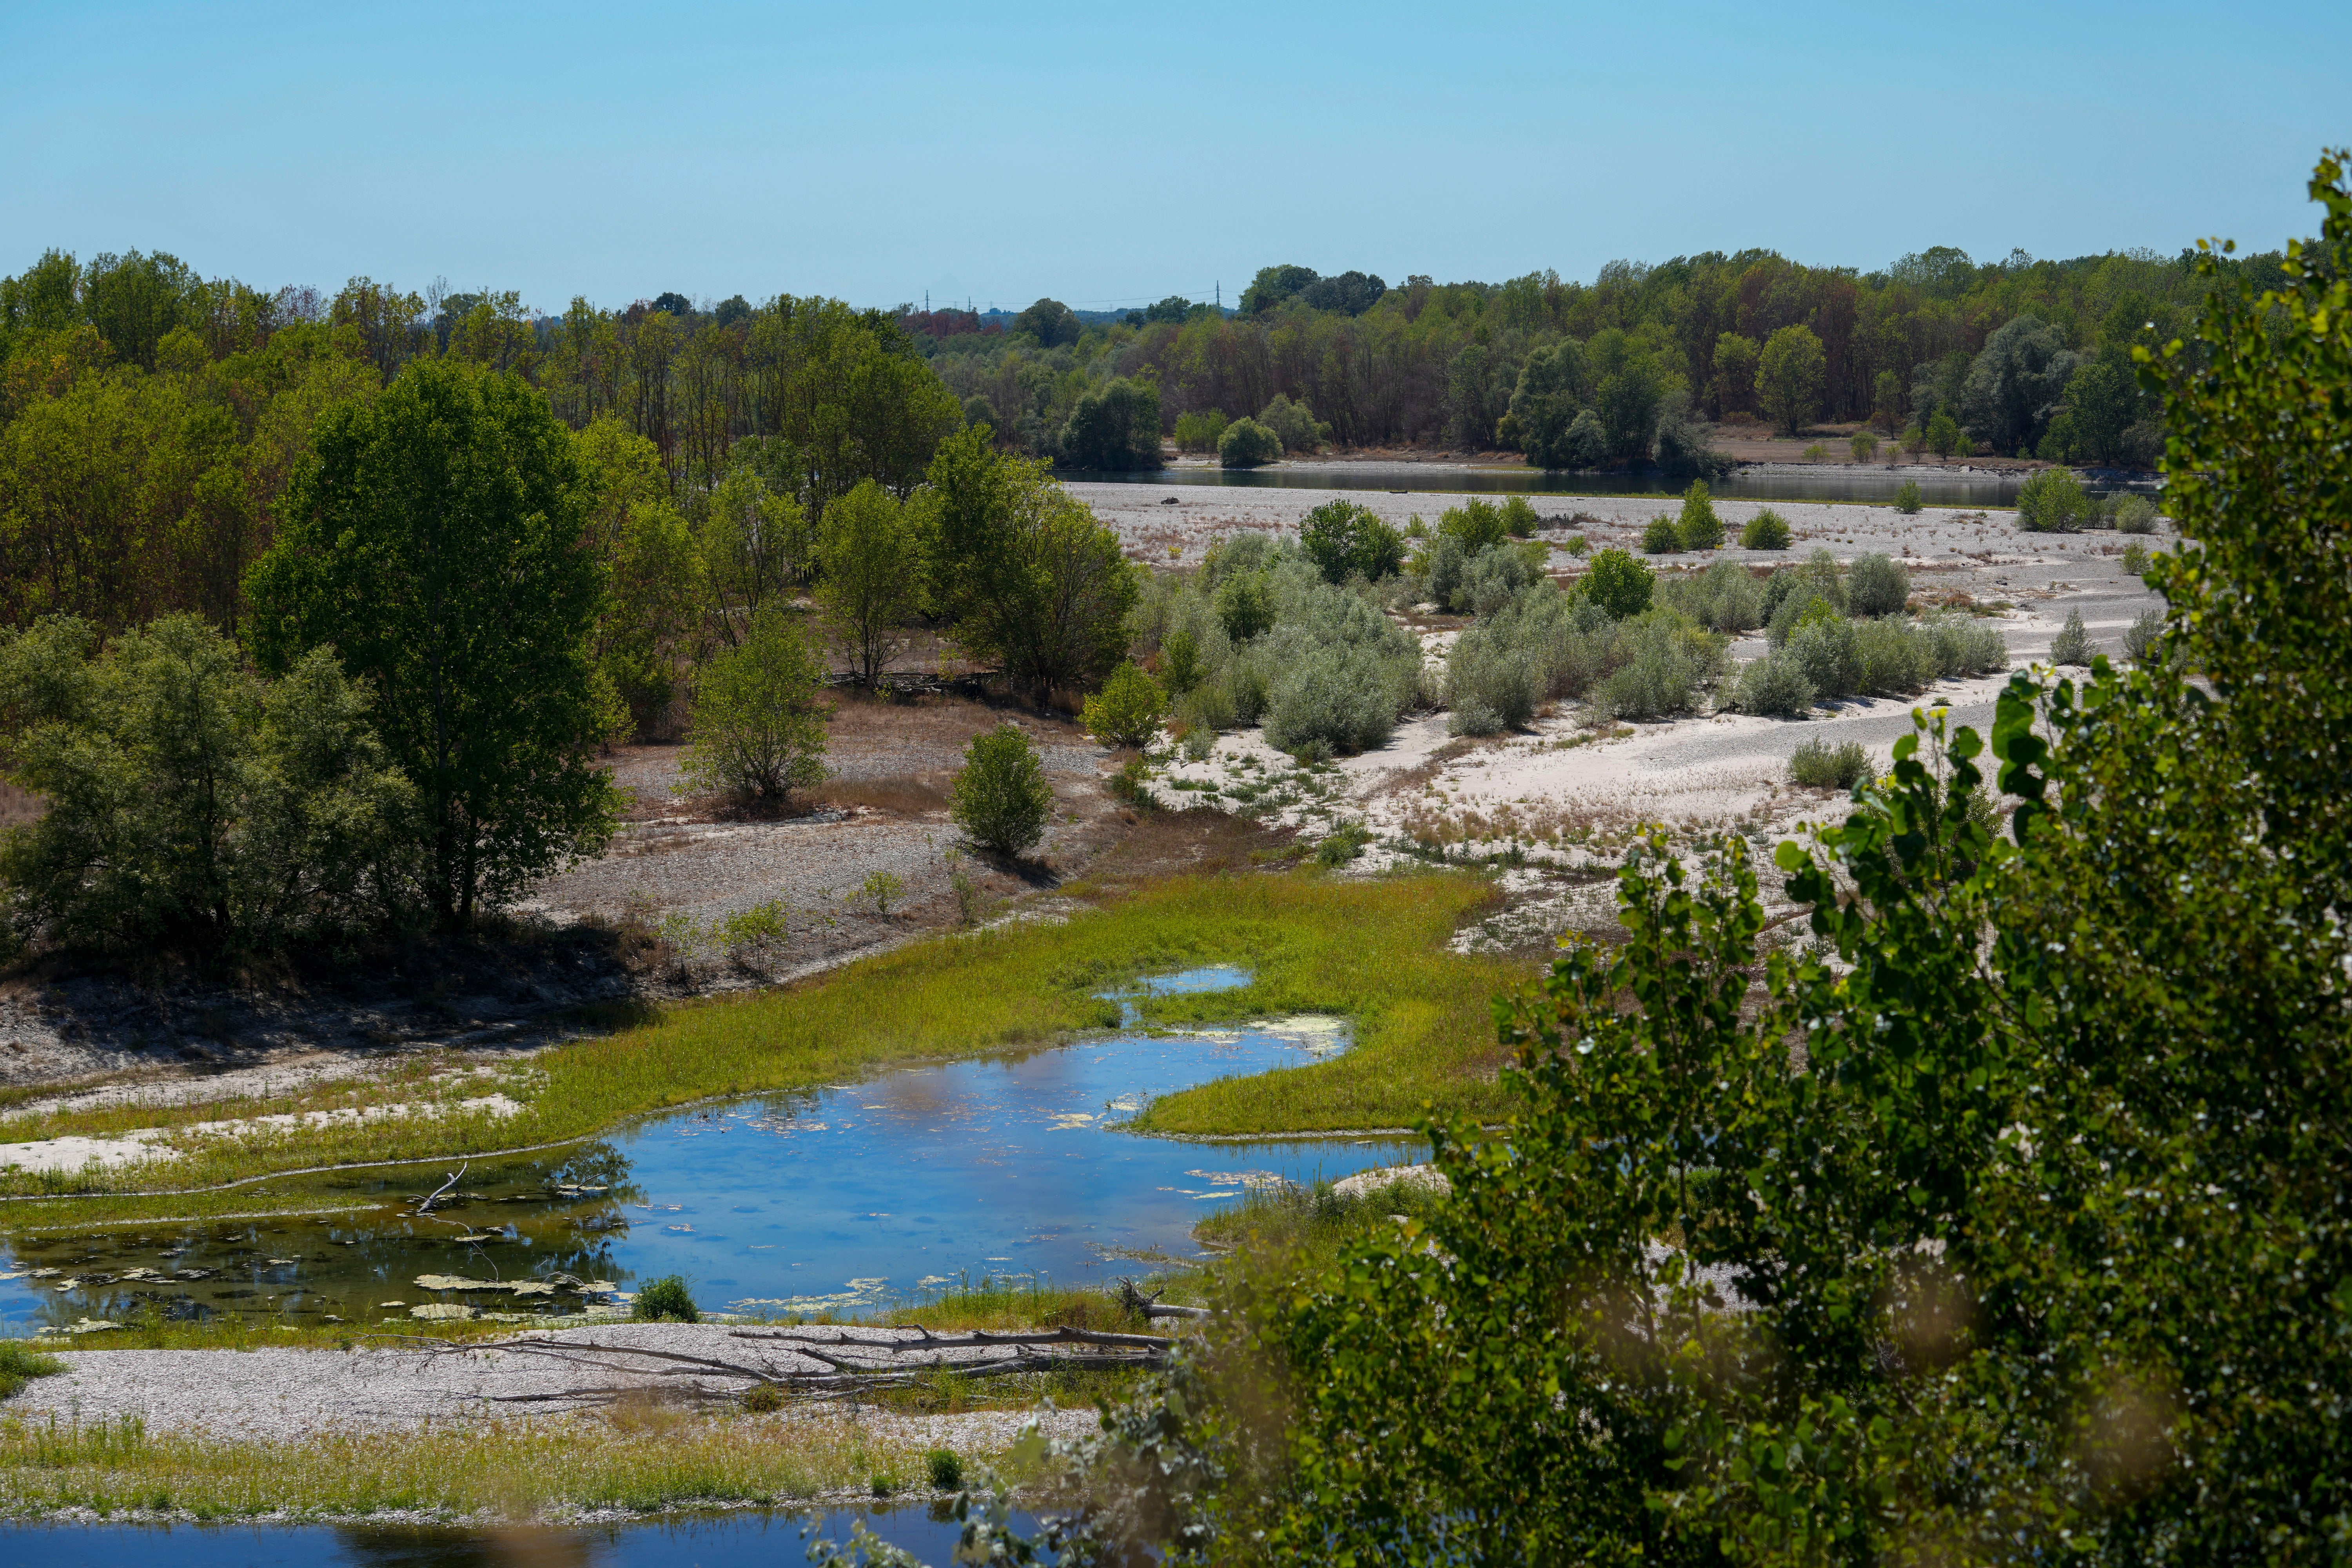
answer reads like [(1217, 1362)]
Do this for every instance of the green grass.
[(1371, 950), (642, 1458)]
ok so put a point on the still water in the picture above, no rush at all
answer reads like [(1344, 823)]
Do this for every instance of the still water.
[(845, 1199), (719, 1541), (1829, 482)]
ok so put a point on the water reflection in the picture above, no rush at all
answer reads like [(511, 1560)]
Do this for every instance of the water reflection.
[(844, 1199)]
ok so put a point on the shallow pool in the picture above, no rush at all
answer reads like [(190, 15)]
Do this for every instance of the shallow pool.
[(845, 1199)]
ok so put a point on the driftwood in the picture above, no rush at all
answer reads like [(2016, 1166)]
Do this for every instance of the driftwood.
[(845, 1365), (425, 1206), (1149, 1307)]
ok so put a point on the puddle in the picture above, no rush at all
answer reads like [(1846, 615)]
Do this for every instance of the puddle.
[(846, 1199), (762, 1537)]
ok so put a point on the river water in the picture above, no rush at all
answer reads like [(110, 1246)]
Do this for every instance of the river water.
[(1829, 482), (846, 1199), (761, 1537)]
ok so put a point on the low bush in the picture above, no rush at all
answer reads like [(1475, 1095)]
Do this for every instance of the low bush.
[(1817, 765), (2052, 502), (20, 1363), (1698, 527), (1476, 522), (2140, 636), (2073, 643), (1817, 578), (1768, 530), (1490, 684), (1826, 647), (1489, 579), (1519, 517), (1891, 656), (2136, 559), (1346, 540), (1666, 663), (763, 1399), (1247, 444), (1907, 500), (1864, 446), (943, 1469), (1293, 424), (1726, 597), (1127, 711), (1179, 662), (1343, 843), (1001, 798), (1245, 606), (2135, 514), (1773, 685), (1876, 584), (1660, 536), (1963, 645), (665, 1301)]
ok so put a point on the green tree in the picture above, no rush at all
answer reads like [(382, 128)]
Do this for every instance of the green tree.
[(1619, 583), (1247, 444), (2053, 500), (2015, 383), (1115, 427), (1294, 423), (1026, 576), (191, 805), (872, 581), (434, 542), (1943, 436), (1790, 375), (1547, 406), (655, 582), (754, 543), (1735, 372), (1051, 322), (758, 728), (1001, 798)]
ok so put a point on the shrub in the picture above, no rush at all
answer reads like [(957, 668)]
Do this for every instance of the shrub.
[(1820, 765), (2136, 559), (1666, 662), (1001, 798), (1817, 453), (1489, 579), (762, 1399), (758, 726), (1247, 444), (1179, 662), (1907, 500), (1519, 517), (884, 888), (1619, 583), (1723, 599), (1823, 644), (1345, 540), (1330, 699), (1962, 645), (872, 559), (1246, 605), (1576, 544), (1775, 684), (1490, 685), (1876, 584), (1199, 432), (1478, 524), (1698, 528), (665, 1301), (2140, 636), (1114, 426), (1768, 530), (2135, 514), (1661, 537), (1127, 711), (1864, 446), (2073, 643), (1342, 845), (1891, 656), (2052, 502), (944, 1469), (20, 1363)]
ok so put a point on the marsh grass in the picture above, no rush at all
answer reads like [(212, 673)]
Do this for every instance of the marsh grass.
[(1297, 1230), (1373, 952), (641, 1458)]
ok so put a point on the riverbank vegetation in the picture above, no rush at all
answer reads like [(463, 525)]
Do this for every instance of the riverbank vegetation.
[(2041, 1254), (1373, 952)]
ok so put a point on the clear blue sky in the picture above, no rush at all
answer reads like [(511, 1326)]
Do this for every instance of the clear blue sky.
[(1110, 154)]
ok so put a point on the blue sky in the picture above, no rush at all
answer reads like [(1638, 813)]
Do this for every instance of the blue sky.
[(1108, 155)]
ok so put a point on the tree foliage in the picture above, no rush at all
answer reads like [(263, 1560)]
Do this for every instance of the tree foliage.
[(758, 730), (873, 582), (1790, 373), (434, 543), (1000, 797)]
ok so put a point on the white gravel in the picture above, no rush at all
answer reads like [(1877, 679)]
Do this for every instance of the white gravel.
[(284, 1393)]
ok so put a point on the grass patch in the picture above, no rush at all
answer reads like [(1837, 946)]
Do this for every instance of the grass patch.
[(1371, 950), (639, 1457)]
